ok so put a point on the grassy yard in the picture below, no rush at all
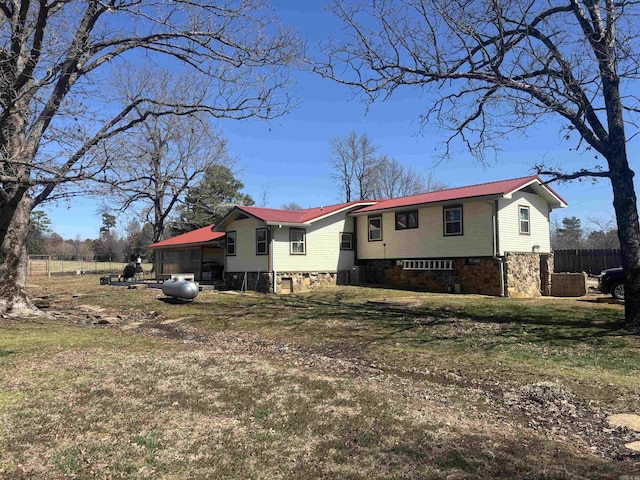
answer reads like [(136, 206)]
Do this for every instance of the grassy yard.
[(121, 384)]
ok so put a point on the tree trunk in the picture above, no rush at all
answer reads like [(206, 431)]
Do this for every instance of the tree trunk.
[(624, 203), (14, 225)]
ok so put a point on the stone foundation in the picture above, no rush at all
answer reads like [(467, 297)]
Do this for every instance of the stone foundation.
[(309, 281), (522, 274), (300, 281), (430, 281), (482, 277)]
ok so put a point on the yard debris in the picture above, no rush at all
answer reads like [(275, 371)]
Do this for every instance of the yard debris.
[(548, 409)]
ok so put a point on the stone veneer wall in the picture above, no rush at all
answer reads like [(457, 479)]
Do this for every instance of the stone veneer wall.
[(522, 275), (308, 281), (301, 281), (483, 278)]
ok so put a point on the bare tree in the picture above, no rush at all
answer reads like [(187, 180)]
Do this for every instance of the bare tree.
[(291, 206), (55, 64), (391, 179), (502, 66), (354, 160), (156, 163)]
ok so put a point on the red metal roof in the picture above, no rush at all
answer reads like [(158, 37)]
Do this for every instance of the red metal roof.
[(502, 187), (297, 216), (201, 235)]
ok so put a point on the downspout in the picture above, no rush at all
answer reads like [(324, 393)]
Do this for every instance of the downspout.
[(496, 247), (270, 260)]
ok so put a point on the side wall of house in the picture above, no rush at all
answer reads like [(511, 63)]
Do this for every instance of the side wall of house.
[(511, 240), (428, 240), (322, 247), (245, 259)]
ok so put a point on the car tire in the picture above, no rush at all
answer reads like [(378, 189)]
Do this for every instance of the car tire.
[(617, 290)]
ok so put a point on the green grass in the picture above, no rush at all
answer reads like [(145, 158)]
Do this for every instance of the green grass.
[(318, 385)]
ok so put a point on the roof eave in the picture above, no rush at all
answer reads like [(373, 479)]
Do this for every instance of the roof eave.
[(425, 204), (288, 224)]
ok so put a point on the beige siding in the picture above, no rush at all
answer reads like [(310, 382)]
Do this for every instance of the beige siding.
[(245, 259), (511, 240), (428, 241), (323, 252)]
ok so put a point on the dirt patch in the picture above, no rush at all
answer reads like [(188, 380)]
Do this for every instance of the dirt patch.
[(545, 409)]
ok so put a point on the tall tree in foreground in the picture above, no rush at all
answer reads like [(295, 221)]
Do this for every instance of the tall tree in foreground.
[(55, 64), (502, 66)]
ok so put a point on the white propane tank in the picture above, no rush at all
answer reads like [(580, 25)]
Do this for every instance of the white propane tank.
[(180, 288)]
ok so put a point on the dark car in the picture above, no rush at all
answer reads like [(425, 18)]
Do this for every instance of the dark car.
[(612, 281)]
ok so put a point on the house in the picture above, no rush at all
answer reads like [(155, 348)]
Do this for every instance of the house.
[(283, 251), (492, 238), (200, 252)]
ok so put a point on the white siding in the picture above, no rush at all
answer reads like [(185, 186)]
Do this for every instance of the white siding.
[(323, 252), (245, 259), (511, 240), (428, 240)]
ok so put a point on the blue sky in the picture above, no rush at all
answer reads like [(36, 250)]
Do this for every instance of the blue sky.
[(287, 158)]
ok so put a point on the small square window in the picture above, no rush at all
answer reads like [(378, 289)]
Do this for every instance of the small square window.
[(346, 241), (525, 225), (375, 228)]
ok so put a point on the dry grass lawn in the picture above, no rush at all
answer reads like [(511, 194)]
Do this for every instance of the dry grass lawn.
[(118, 383)]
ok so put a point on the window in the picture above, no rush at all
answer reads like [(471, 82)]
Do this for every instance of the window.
[(452, 220), (231, 243), (427, 264), (524, 220), (375, 228), (406, 220), (346, 241), (262, 241), (297, 239)]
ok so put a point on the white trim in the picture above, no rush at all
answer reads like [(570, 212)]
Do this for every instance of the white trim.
[(428, 264)]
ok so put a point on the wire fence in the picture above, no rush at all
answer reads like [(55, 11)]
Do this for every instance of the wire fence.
[(42, 265)]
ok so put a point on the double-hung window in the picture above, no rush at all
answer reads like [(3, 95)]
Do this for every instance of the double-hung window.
[(262, 241), (452, 217), (406, 220), (525, 225), (346, 241), (375, 228), (297, 241), (231, 243)]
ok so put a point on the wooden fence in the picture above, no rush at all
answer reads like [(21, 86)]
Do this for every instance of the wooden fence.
[(592, 261)]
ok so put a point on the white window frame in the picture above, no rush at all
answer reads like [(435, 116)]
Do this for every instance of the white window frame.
[(378, 229), (302, 242), (527, 222)]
